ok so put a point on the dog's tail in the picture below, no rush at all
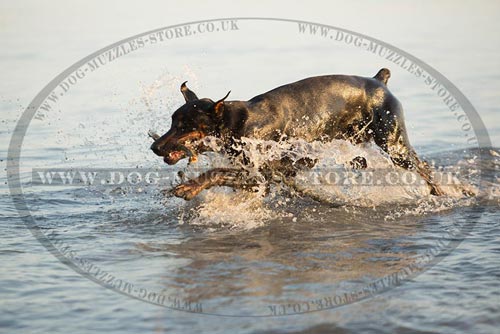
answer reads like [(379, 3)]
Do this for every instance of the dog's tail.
[(383, 75)]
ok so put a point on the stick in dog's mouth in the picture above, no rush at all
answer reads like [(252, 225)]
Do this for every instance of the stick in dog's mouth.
[(181, 151), (189, 145), (190, 151)]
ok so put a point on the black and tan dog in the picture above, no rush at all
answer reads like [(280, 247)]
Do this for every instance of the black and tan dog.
[(323, 108)]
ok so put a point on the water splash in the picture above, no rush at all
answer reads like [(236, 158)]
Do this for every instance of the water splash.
[(332, 180), (218, 208)]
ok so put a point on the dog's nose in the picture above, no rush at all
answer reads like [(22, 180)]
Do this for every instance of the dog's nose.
[(156, 149)]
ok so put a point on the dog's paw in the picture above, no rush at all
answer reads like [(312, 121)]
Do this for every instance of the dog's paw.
[(187, 190)]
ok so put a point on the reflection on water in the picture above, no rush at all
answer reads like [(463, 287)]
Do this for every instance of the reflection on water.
[(321, 251), (272, 262)]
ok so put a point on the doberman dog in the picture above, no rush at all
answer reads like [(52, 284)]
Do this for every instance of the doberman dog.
[(357, 109)]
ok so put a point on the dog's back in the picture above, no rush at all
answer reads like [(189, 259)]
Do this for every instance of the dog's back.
[(322, 107)]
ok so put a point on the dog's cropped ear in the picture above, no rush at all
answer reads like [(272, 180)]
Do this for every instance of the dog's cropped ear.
[(219, 105), (188, 94)]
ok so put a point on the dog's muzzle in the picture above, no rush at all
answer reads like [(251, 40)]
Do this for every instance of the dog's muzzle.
[(173, 150)]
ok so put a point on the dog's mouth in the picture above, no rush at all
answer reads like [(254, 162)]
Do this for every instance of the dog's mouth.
[(181, 151), (188, 146), (174, 156)]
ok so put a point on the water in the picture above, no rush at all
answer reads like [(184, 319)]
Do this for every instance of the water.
[(236, 253)]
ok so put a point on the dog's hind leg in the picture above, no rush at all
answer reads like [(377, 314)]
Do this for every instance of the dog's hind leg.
[(409, 160), (229, 177), (390, 134)]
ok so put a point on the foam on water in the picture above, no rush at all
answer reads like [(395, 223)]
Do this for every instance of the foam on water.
[(332, 180), (227, 209)]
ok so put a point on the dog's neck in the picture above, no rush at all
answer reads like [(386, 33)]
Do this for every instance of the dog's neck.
[(233, 119)]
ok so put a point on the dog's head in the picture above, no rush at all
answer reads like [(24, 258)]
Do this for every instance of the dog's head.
[(196, 119)]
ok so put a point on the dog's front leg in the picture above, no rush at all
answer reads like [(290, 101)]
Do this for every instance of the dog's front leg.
[(229, 177)]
